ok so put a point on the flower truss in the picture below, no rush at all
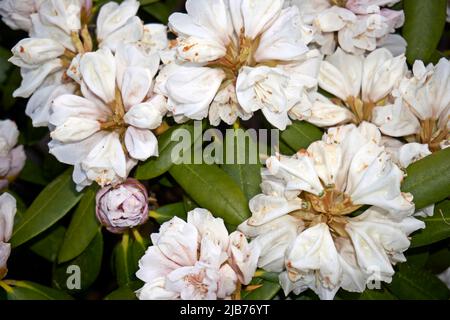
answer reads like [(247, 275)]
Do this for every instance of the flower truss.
[(233, 58), (356, 26), (196, 260), (104, 132), (59, 36), (311, 219)]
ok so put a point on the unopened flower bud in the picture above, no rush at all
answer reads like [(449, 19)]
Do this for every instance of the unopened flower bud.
[(123, 206)]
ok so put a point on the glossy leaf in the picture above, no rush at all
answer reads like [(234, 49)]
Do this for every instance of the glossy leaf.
[(167, 212), (428, 180), (89, 264), (424, 24), (126, 257), (246, 170), (25, 290), (300, 135), (53, 203), (82, 228), (49, 243), (437, 227), (411, 283), (213, 189)]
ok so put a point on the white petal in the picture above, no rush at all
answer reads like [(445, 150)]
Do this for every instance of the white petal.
[(396, 120), (382, 73), (7, 213), (99, 73), (191, 91), (135, 86), (283, 40), (141, 144), (341, 75), (113, 16), (34, 78), (75, 129), (258, 15)]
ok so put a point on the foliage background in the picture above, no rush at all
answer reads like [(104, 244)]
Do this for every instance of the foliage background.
[(108, 261)]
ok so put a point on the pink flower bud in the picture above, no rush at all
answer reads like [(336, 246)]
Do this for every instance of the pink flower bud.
[(123, 206)]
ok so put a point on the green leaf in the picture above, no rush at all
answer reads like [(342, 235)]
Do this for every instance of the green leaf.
[(53, 203), (126, 292), (437, 226), (246, 170), (89, 264), (300, 135), (82, 229), (49, 244), (382, 294), (429, 179), (26, 290), (126, 257), (267, 290), (157, 166), (158, 10), (424, 24), (411, 283), (213, 189), (147, 2), (31, 172), (167, 212)]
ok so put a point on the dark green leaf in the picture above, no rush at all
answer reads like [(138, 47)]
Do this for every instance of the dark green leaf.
[(267, 290), (31, 172), (25, 290), (411, 283), (246, 170), (49, 244), (437, 226), (155, 167), (126, 292), (82, 229), (429, 179), (213, 189), (300, 135), (53, 203), (158, 10), (425, 21), (89, 264), (382, 294), (167, 212), (126, 257)]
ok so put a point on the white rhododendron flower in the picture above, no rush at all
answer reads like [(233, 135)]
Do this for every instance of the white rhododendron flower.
[(304, 221), (359, 84), (196, 260), (16, 14), (7, 212), (109, 128), (49, 58), (356, 26), (422, 111), (12, 157), (233, 58)]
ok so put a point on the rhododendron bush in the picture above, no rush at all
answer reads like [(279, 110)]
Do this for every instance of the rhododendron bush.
[(224, 149)]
